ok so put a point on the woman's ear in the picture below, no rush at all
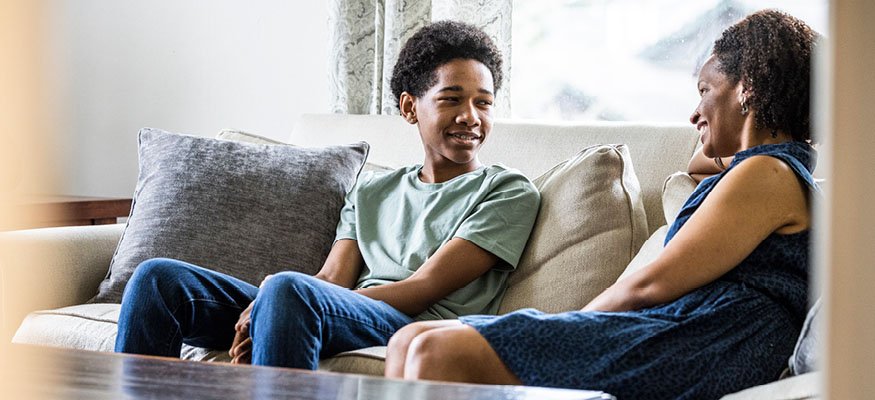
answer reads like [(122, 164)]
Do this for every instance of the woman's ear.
[(407, 105), (744, 96)]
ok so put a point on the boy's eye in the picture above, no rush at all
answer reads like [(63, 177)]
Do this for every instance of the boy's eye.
[(449, 99)]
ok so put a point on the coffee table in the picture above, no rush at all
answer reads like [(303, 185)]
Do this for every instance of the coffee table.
[(75, 374)]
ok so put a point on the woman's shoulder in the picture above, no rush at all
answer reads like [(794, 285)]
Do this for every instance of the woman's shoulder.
[(790, 160), (792, 152)]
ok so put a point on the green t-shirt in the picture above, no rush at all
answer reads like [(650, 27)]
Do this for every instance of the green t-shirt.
[(400, 221)]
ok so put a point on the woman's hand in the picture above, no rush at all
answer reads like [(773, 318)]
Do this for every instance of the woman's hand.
[(701, 167)]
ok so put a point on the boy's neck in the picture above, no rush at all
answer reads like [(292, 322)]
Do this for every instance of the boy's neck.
[(430, 174)]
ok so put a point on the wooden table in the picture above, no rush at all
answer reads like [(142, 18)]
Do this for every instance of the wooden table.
[(75, 374), (40, 211)]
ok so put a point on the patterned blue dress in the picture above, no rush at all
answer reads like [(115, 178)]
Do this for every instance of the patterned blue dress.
[(733, 333)]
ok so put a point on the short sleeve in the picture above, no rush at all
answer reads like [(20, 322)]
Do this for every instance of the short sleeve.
[(502, 222), (346, 227)]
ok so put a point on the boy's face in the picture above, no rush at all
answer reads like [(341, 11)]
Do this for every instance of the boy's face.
[(455, 114)]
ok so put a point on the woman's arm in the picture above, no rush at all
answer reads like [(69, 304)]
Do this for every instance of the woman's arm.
[(456, 264), (701, 167), (343, 265), (760, 196)]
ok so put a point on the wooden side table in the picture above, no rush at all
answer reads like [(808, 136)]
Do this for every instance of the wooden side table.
[(40, 211)]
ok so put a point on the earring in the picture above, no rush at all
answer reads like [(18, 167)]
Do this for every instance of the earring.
[(744, 109)]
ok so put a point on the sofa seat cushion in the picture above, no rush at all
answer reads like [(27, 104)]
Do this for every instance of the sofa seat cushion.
[(84, 327), (94, 326)]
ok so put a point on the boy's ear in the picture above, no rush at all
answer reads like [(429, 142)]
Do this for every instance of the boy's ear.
[(407, 105)]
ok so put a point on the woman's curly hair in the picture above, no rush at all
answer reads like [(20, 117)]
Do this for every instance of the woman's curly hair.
[(770, 52), (435, 45)]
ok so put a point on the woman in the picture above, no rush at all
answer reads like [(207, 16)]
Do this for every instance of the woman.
[(720, 308), (428, 241)]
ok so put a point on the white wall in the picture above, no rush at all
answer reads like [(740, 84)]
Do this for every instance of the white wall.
[(190, 66)]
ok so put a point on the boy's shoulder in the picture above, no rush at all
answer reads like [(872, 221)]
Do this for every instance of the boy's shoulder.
[(384, 176), (502, 174), (387, 173)]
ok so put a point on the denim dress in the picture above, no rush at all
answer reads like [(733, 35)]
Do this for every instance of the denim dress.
[(735, 332)]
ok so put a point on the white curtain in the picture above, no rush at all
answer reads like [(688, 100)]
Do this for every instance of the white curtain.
[(365, 37)]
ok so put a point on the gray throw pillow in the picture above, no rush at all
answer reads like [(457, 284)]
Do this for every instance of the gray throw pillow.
[(246, 210)]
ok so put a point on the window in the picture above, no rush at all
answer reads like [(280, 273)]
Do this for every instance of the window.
[(622, 60)]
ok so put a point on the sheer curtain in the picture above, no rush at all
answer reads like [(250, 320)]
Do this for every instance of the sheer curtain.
[(365, 37)]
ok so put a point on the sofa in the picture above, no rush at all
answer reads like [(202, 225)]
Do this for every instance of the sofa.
[(608, 192)]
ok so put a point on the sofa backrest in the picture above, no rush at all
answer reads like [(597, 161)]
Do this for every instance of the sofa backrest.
[(533, 147)]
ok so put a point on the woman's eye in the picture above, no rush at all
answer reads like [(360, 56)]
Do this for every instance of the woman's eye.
[(485, 102), (702, 91)]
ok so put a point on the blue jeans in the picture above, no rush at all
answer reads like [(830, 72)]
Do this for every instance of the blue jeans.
[(296, 320)]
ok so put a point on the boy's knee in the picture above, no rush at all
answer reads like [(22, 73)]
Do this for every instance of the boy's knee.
[(288, 293), (155, 269), (287, 283)]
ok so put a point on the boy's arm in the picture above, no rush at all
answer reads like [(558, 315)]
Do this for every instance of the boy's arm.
[(454, 265), (343, 265)]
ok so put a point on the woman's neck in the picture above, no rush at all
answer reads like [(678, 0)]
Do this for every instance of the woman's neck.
[(752, 136)]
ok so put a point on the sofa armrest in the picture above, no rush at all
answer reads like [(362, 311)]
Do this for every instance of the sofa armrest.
[(52, 267)]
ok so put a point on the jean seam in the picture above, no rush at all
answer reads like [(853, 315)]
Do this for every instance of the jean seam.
[(359, 320)]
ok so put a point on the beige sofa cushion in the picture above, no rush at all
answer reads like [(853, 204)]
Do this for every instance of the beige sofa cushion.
[(676, 189), (649, 251), (590, 224)]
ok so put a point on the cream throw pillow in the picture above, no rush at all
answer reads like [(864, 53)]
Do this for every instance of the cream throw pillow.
[(590, 225)]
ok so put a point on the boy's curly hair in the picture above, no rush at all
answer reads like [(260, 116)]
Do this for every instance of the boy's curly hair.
[(435, 45), (770, 52)]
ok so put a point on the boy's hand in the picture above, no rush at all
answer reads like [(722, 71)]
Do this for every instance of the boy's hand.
[(241, 347)]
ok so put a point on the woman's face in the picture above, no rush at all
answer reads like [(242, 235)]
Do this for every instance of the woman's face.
[(718, 117), (455, 114)]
